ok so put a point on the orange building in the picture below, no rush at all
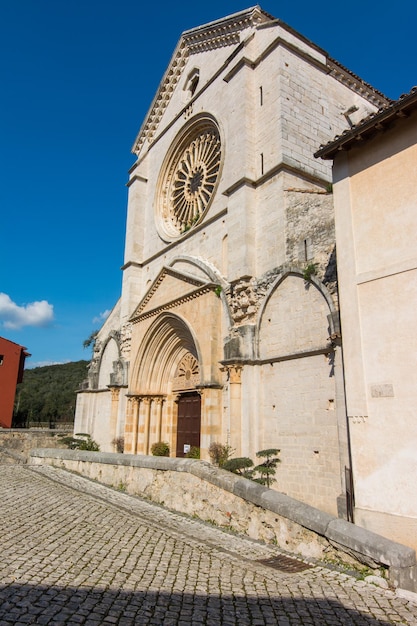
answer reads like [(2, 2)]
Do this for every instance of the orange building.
[(12, 363)]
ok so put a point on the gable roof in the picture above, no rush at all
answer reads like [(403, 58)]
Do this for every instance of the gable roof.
[(227, 32), (370, 125), (4, 341), (160, 294), (220, 33)]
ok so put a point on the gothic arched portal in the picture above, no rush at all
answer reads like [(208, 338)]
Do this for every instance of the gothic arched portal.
[(164, 404)]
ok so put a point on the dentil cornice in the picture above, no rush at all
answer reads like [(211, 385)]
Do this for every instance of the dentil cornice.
[(224, 32)]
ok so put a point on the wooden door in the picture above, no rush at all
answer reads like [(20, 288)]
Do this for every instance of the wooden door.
[(189, 422)]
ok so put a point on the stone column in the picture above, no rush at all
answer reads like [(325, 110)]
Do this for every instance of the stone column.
[(135, 422), (115, 393), (129, 426), (140, 448), (158, 429), (234, 373), (147, 402)]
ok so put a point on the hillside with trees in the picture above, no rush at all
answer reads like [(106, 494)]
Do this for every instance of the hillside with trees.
[(47, 397)]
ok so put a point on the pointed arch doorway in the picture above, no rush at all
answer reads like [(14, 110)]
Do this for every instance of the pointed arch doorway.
[(188, 401), (188, 422)]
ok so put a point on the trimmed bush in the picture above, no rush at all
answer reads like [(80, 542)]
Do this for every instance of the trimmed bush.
[(194, 453), (240, 466), (81, 441), (160, 448)]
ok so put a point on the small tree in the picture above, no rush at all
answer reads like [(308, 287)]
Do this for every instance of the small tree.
[(240, 466), (267, 469), (91, 339)]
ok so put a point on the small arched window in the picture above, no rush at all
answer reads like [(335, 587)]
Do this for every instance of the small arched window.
[(191, 83)]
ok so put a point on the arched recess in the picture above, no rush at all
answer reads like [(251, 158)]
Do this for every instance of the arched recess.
[(207, 271), (109, 356), (295, 317), (297, 401)]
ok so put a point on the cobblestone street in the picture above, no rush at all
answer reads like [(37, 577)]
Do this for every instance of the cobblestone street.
[(76, 552)]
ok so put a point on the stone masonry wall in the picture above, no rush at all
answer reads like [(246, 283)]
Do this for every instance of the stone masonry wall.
[(15, 444), (201, 489)]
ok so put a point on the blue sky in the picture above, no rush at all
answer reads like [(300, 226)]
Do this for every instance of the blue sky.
[(77, 79)]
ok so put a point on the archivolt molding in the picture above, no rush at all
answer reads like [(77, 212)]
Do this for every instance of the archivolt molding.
[(271, 286), (205, 266), (100, 345), (216, 279), (294, 271), (164, 346)]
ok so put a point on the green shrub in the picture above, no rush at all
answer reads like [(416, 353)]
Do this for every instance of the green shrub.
[(193, 453), (240, 466), (160, 448), (264, 473), (219, 453), (81, 441), (309, 271)]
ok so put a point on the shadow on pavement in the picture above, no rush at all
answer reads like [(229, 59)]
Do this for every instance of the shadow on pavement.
[(69, 606)]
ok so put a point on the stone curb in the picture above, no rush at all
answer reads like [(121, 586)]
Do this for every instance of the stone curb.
[(366, 546)]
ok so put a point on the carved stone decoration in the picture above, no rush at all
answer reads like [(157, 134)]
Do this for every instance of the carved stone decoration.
[(125, 339), (187, 375), (117, 377), (358, 419), (188, 181), (234, 373), (243, 300), (93, 370)]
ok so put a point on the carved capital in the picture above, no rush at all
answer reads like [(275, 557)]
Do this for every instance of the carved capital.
[(234, 373), (133, 400), (115, 392)]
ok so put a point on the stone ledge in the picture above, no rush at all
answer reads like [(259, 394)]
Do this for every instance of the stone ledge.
[(362, 545)]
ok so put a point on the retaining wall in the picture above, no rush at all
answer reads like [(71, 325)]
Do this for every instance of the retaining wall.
[(16, 443), (201, 489)]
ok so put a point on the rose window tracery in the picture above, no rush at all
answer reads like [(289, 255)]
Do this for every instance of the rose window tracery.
[(189, 181)]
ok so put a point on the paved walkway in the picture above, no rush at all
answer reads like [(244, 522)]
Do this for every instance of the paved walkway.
[(75, 552)]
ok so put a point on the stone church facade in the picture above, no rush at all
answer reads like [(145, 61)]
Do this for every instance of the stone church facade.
[(227, 327)]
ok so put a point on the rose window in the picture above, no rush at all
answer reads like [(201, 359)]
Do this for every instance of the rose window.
[(189, 181)]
